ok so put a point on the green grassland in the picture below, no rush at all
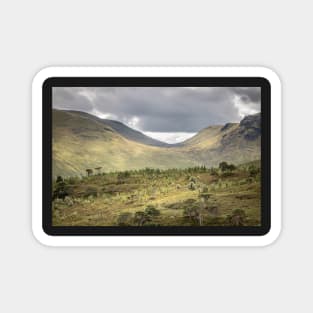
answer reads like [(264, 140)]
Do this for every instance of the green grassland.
[(225, 195)]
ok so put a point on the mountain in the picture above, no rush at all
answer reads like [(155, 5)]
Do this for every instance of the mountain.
[(124, 130), (134, 135), (232, 142), (82, 141)]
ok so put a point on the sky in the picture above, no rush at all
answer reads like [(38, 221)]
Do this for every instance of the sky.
[(169, 114)]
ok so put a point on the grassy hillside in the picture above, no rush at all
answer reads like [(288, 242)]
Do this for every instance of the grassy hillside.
[(123, 130), (233, 142), (187, 197), (82, 141)]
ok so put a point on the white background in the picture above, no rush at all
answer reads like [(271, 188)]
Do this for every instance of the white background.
[(36, 34)]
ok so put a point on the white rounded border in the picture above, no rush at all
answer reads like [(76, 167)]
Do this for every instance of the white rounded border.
[(161, 241)]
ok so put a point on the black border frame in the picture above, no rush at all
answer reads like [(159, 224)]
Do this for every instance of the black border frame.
[(49, 83)]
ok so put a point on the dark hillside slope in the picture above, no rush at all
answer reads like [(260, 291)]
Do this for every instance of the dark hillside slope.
[(123, 130)]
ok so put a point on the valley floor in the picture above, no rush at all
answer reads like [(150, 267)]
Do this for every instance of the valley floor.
[(175, 197)]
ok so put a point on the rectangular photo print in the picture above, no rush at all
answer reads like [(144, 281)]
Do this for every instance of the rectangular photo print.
[(155, 157)]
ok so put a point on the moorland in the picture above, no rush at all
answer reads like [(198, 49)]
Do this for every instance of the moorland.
[(107, 174)]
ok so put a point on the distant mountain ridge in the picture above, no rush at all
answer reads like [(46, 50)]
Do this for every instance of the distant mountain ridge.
[(134, 135), (125, 131), (82, 141)]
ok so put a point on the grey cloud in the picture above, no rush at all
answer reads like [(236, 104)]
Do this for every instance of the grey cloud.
[(71, 99), (249, 95), (161, 109)]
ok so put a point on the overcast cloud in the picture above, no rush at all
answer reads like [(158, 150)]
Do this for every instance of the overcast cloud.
[(162, 109)]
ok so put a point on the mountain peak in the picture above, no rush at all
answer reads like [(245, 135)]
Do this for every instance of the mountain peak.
[(117, 126), (250, 126), (251, 120)]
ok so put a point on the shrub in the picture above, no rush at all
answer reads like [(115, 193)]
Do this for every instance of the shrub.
[(124, 219), (191, 185), (249, 180), (192, 179), (224, 166), (227, 173), (214, 171), (140, 218), (89, 171), (253, 171), (60, 190), (123, 175), (192, 213), (231, 167), (237, 217), (152, 211)]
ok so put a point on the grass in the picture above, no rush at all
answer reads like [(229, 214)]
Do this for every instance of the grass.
[(107, 199), (82, 141)]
